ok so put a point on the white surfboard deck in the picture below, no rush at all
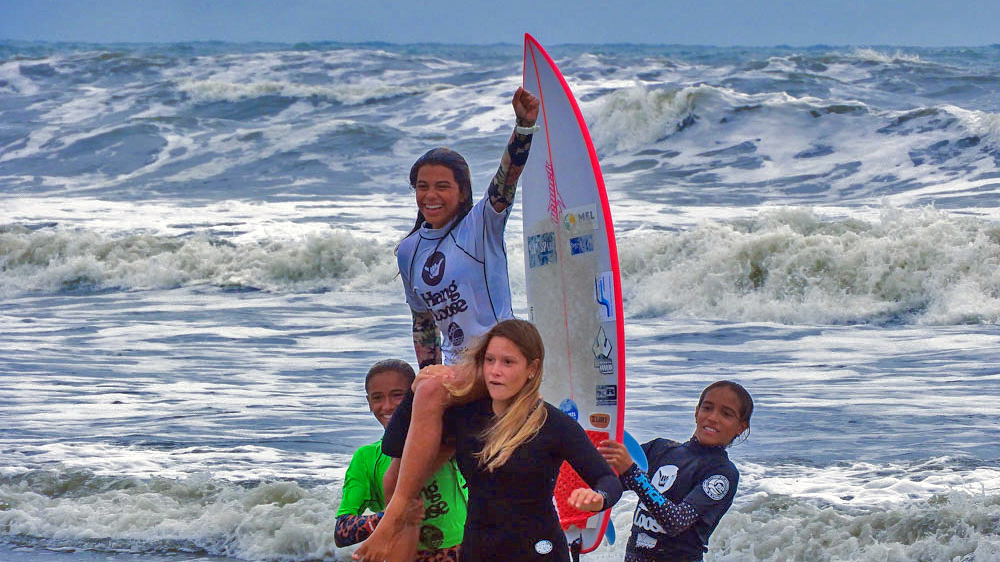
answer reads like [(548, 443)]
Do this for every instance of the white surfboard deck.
[(571, 270)]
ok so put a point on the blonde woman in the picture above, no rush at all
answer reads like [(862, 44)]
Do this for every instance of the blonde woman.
[(510, 445)]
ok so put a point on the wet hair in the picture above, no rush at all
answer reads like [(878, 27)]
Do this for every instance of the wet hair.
[(521, 333), (746, 403), (456, 163), (524, 418), (390, 366)]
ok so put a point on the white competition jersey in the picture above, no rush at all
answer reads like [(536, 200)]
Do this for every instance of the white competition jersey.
[(461, 277)]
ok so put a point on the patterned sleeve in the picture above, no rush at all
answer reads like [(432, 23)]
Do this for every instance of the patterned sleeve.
[(503, 187), (426, 338), (357, 493), (674, 518), (352, 529)]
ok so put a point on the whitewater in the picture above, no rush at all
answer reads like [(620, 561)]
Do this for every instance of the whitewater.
[(196, 269)]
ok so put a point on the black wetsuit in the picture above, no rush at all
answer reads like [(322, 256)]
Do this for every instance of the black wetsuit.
[(511, 515), (688, 488)]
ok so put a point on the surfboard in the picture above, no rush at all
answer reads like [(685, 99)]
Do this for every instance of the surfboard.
[(572, 276)]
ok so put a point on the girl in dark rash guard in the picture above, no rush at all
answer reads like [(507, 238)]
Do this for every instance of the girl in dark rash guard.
[(510, 446), (689, 486)]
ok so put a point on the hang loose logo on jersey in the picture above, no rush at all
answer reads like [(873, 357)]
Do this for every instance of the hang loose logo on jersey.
[(433, 270)]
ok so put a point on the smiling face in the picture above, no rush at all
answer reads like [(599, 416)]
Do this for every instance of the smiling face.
[(439, 197), (506, 371), (717, 418), (385, 391)]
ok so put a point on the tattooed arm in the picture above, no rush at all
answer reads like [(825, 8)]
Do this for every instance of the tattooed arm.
[(504, 184), (425, 338), (352, 529)]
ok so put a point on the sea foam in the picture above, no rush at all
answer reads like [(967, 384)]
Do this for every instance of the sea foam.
[(792, 266), (789, 265), (289, 521), (51, 261)]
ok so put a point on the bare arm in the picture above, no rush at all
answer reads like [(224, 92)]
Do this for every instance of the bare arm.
[(426, 343), (392, 473), (503, 187), (389, 480)]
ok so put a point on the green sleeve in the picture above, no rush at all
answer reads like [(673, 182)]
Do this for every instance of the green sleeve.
[(361, 489)]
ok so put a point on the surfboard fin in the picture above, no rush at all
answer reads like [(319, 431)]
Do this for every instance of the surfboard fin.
[(574, 549), (609, 532), (635, 451)]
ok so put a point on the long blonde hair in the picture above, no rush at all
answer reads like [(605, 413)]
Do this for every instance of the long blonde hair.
[(525, 416)]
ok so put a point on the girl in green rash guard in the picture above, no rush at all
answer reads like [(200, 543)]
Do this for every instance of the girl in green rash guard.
[(442, 507)]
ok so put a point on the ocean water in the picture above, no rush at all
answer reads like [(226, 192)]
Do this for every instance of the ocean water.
[(196, 268)]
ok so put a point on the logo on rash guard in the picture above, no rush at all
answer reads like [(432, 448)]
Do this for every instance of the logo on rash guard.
[(642, 540), (455, 334), (433, 270), (431, 536), (651, 491), (716, 487), (664, 478), (434, 504), (543, 547), (644, 521), (446, 302)]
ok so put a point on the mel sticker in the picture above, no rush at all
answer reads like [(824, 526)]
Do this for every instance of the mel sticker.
[(579, 219)]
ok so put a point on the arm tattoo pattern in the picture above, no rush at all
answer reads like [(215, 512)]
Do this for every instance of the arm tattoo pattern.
[(674, 518), (426, 342), (503, 187), (352, 529)]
